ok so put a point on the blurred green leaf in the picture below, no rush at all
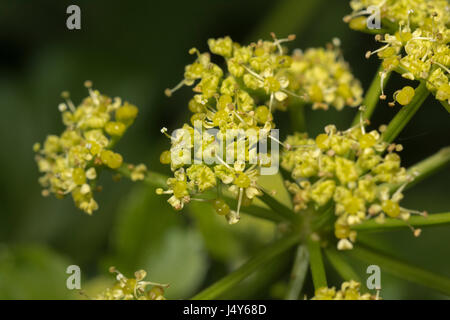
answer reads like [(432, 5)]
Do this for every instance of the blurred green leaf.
[(178, 260), (220, 241), (32, 272), (143, 217)]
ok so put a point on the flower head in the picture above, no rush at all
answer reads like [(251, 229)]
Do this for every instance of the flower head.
[(323, 78), (71, 162), (352, 170), (133, 288), (418, 49), (350, 290)]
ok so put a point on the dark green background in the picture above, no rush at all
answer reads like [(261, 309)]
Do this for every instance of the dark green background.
[(135, 49)]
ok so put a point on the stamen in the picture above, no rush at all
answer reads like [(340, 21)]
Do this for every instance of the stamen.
[(278, 42), (271, 102), (441, 65), (168, 92), (286, 146), (66, 96), (382, 77), (224, 163), (241, 193), (369, 53)]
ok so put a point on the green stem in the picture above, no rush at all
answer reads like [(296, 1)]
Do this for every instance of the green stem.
[(341, 266), (402, 270), (446, 105), (316, 264), (258, 261), (429, 166), (371, 98), (261, 280), (434, 219), (278, 207), (298, 274), (426, 168), (406, 113), (297, 112)]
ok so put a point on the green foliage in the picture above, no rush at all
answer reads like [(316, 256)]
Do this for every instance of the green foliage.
[(32, 272)]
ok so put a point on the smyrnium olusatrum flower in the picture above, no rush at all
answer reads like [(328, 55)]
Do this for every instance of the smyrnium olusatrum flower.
[(350, 170), (71, 162), (258, 79), (323, 78), (418, 49), (350, 290), (133, 288)]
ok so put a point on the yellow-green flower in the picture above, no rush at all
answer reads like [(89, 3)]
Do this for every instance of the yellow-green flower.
[(70, 162), (350, 290), (352, 171), (133, 288)]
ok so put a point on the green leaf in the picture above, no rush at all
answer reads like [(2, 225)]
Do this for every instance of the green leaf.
[(143, 218), (434, 219), (178, 260), (219, 238), (227, 243), (400, 269), (31, 272)]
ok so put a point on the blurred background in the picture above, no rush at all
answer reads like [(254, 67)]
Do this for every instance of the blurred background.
[(136, 49)]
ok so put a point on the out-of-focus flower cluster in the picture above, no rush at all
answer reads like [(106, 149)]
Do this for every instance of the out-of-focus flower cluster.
[(323, 78), (418, 49), (133, 288), (259, 79), (346, 169), (71, 162), (350, 290)]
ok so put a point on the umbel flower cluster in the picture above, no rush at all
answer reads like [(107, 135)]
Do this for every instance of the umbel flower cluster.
[(71, 162), (323, 78), (351, 169), (417, 46), (259, 78), (133, 288), (349, 291)]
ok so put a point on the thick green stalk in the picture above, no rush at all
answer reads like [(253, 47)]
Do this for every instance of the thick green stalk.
[(406, 113), (429, 166), (297, 113), (446, 106), (371, 98), (298, 273), (426, 168), (341, 266), (402, 270), (316, 264), (434, 219), (278, 207), (258, 261)]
